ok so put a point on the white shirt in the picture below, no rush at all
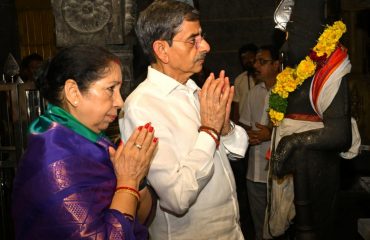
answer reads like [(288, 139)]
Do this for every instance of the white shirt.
[(242, 85), (256, 111), (194, 181)]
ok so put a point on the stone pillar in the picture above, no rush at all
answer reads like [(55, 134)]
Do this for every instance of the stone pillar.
[(86, 21), (107, 23)]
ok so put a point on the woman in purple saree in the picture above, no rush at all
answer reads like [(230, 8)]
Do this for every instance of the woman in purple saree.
[(72, 182)]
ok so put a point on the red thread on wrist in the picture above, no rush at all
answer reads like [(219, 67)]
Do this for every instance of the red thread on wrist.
[(201, 128), (217, 141), (130, 189)]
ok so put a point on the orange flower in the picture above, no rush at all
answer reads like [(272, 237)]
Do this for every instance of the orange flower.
[(289, 79)]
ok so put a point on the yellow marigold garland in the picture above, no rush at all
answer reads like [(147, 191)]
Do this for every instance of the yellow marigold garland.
[(289, 79)]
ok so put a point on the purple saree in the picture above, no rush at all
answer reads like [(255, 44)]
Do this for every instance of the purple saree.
[(64, 186)]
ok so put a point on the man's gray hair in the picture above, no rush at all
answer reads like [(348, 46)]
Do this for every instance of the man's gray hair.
[(161, 20)]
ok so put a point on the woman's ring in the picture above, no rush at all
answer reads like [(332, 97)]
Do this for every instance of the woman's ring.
[(138, 146)]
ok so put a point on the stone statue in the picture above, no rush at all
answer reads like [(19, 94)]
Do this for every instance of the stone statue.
[(316, 125)]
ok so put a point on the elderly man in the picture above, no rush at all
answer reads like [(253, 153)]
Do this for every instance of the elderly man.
[(190, 171)]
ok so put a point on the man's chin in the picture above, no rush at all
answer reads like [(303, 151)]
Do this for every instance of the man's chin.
[(198, 67)]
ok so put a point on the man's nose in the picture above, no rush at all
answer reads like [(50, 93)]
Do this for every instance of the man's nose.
[(204, 46)]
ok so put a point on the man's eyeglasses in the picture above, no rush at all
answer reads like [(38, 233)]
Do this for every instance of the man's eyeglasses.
[(194, 41), (263, 61)]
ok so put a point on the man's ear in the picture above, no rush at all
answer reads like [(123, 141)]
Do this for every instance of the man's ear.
[(72, 92), (160, 48)]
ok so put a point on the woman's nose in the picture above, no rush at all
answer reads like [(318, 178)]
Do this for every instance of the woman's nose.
[(118, 101)]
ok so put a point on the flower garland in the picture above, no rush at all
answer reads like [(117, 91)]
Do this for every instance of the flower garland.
[(289, 79)]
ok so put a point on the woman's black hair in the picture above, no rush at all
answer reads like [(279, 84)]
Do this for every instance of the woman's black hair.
[(82, 63)]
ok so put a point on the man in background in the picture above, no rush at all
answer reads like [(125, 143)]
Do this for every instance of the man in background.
[(29, 67), (245, 81), (255, 119)]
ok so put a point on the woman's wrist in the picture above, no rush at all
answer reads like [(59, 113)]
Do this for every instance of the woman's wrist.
[(143, 183), (129, 190), (128, 182), (126, 202)]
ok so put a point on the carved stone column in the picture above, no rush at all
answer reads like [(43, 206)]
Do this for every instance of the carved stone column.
[(106, 23)]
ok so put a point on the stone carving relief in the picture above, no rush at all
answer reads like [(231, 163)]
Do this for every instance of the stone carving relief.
[(98, 22), (86, 16), (108, 23)]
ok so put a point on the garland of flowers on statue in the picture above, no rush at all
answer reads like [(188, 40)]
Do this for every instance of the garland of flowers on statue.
[(290, 78)]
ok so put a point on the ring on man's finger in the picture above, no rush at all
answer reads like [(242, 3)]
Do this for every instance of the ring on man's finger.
[(138, 146)]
